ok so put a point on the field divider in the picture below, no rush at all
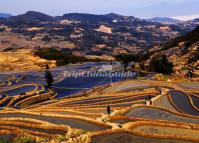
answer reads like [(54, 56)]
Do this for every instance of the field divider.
[(36, 98), (59, 116), (159, 108), (20, 86), (127, 131)]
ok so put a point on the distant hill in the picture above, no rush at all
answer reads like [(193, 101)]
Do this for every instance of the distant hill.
[(164, 20), (89, 34), (5, 15), (29, 17), (85, 17), (92, 18), (196, 20)]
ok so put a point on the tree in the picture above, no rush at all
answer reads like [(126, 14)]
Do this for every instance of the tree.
[(126, 59), (190, 74), (161, 65), (49, 53), (48, 77), (46, 38)]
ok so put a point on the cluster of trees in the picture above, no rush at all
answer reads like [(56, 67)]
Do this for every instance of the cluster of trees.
[(62, 57), (161, 65), (8, 49), (2, 29), (189, 38), (158, 64), (194, 58), (126, 58), (46, 38), (49, 53), (137, 57)]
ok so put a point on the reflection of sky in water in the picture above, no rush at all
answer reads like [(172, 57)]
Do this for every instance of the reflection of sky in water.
[(63, 88), (181, 100), (17, 91)]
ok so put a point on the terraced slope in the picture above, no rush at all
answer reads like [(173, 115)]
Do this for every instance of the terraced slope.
[(7, 135), (171, 131), (160, 114), (162, 101), (130, 138), (138, 114), (19, 90), (195, 100), (73, 122), (183, 103)]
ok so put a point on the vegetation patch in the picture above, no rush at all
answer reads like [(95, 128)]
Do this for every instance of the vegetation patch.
[(61, 57)]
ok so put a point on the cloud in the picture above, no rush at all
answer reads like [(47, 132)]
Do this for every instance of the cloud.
[(186, 17), (168, 9)]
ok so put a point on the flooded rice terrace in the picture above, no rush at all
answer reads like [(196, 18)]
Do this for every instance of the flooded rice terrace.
[(67, 81)]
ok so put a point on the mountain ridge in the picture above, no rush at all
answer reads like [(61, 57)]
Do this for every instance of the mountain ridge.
[(182, 52), (5, 15), (90, 34), (164, 20), (29, 17)]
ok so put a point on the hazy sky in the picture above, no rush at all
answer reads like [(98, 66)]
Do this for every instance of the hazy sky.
[(137, 8)]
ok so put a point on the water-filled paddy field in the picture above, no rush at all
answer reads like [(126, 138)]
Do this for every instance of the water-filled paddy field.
[(141, 111)]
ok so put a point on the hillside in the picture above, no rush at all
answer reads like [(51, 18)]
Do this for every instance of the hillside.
[(5, 15), (109, 34), (182, 52), (22, 60), (88, 35), (196, 20), (164, 20), (27, 18)]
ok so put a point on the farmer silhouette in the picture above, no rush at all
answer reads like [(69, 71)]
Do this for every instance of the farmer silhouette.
[(108, 110), (150, 101)]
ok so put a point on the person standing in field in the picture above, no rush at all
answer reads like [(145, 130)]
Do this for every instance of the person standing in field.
[(108, 110)]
